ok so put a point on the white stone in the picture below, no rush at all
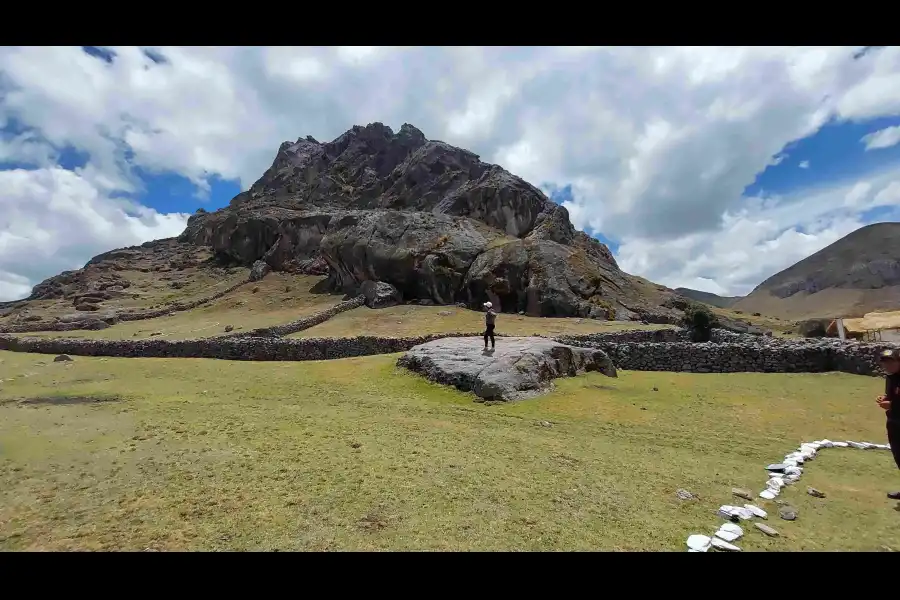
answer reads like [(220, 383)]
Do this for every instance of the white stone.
[(698, 543), (732, 527), (729, 532), (726, 535), (723, 545), (856, 444), (757, 511), (839, 444), (827, 443), (726, 511), (775, 483), (793, 470), (692, 550), (744, 514), (882, 446), (767, 494), (813, 445)]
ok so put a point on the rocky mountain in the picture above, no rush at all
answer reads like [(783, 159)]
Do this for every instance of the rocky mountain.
[(708, 297), (430, 221), (857, 274)]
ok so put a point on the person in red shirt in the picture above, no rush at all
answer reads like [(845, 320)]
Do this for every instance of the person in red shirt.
[(890, 402)]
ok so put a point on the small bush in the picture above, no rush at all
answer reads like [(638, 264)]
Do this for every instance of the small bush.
[(699, 320), (598, 301)]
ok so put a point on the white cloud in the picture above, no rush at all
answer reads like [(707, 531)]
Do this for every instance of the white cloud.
[(764, 237), (54, 220), (804, 164), (657, 143), (885, 138)]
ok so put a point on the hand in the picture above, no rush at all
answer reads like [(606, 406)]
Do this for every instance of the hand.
[(883, 402)]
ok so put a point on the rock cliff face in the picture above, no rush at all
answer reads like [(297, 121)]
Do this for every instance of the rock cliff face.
[(429, 219), (424, 220)]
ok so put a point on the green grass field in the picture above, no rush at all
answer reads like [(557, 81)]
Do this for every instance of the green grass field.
[(355, 454), (412, 320)]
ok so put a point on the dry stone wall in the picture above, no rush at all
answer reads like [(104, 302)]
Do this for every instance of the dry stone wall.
[(630, 350), (304, 323), (729, 352), (252, 348)]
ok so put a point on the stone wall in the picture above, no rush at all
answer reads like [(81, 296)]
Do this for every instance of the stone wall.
[(630, 350), (252, 348), (301, 324), (668, 350), (638, 336)]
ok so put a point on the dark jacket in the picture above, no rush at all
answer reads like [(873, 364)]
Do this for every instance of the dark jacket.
[(490, 317), (892, 393)]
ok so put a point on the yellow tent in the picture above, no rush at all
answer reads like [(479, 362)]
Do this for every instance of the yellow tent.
[(873, 321)]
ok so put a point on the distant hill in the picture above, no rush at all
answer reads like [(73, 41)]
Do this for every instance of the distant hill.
[(857, 274), (708, 298)]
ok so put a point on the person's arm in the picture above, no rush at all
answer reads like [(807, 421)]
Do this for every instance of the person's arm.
[(890, 393)]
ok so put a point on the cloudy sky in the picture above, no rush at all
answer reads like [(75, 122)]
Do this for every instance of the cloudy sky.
[(710, 168)]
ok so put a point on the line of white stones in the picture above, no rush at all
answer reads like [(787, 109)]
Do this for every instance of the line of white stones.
[(782, 474)]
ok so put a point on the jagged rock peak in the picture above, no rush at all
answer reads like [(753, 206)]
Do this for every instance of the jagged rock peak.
[(428, 218)]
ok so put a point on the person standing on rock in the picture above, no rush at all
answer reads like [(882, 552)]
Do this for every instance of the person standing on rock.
[(890, 402), (490, 320)]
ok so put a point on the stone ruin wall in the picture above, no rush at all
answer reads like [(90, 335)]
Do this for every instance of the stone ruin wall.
[(639, 350), (301, 324)]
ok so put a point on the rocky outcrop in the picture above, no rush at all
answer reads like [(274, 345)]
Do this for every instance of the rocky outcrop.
[(519, 367), (259, 270), (427, 218), (100, 280), (378, 294)]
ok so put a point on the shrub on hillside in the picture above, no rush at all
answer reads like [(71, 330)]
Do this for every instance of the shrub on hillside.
[(699, 320)]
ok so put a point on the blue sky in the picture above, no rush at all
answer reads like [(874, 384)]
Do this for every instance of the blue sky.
[(833, 154), (664, 149)]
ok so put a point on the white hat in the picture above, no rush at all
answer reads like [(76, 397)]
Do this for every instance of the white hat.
[(488, 305)]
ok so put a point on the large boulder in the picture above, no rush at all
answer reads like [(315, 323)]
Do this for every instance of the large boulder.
[(259, 270), (519, 367), (421, 254), (813, 328), (543, 278), (379, 294)]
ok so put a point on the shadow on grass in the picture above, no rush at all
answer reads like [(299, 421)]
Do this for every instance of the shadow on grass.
[(64, 400)]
